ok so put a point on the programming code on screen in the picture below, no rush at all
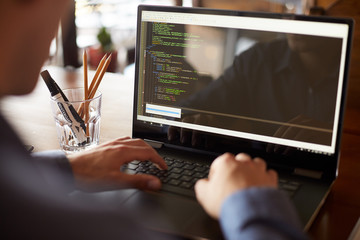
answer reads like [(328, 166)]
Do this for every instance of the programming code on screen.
[(169, 78)]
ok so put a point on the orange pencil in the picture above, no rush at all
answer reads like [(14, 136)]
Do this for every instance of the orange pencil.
[(98, 70), (86, 87), (101, 75), (86, 92)]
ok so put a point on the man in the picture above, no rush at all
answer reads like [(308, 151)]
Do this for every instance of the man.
[(34, 201), (33, 187)]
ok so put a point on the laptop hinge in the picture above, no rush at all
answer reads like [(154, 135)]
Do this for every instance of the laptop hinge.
[(154, 144), (308, 173)]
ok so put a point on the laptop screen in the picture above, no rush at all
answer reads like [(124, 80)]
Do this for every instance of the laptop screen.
[(220, 80)]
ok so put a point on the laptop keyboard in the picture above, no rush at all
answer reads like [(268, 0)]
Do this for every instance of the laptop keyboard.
[(181, 175)]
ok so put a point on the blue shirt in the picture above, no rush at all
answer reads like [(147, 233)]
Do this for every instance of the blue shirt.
[(260, 213)]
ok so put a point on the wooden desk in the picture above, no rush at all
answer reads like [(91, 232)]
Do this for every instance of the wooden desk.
[(335, 220)]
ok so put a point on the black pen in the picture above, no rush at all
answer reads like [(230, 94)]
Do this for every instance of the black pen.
[(77, 125)]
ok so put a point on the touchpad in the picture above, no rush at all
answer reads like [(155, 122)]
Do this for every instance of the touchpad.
[(173, 214)]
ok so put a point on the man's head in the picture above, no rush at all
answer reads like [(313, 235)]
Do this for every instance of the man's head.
[(27, 28)]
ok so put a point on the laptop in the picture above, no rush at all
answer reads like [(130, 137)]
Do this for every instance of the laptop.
[(210, 81)]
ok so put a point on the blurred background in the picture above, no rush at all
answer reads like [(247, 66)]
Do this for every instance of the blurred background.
[(95, 23)]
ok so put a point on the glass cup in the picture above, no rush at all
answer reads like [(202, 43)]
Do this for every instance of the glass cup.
[(77, 120)]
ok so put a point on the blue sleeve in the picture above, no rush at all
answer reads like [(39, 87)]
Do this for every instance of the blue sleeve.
[(55, 169), (260, 213)]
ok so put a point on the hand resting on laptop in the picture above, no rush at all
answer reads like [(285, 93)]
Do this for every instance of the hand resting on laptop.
[(98, 169), (229, 174)]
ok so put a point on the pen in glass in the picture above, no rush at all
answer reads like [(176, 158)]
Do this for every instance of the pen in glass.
[(77, 125)]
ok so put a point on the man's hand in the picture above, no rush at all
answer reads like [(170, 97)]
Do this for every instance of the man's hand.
[(228, 174), (99, 168)]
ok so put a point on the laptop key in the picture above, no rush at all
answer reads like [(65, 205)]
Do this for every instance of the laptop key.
[(200, 169), (186, 185), (188, 167), (185, 178), (178, 165), (200, 175), (174, 175), (176, 170), (132, 166), (187, 172), (174, 182)]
